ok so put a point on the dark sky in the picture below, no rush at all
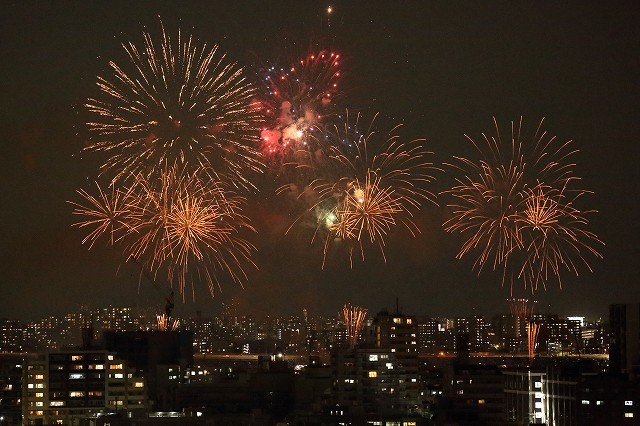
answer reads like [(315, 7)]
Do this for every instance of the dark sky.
[(443, 70)]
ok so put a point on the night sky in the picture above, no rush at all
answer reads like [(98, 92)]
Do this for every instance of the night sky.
[(442, 70)]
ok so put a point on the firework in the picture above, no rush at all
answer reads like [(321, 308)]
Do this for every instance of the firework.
[(297, 100), (174, 102), (533, 329), (179, 228), (554, 230), (494, 206), (371, 185), (521, 308), (105, 214), (353, 319), (167, 323), (522, 311)]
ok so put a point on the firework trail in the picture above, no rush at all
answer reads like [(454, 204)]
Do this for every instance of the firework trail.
[(297, 100), (177, 227), (371, 184), (175, 102), (353, 317), (522, 310), (496, 207), (533, 329)]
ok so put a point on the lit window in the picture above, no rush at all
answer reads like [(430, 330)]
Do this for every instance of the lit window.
[(460, 392), (39, 394), (39, 404), (56, 403), (39, 413), (39, 385), (393, 349), (538, 385), (538, 404), (538, 395), (96, 367), (628, 403), (115, 367), (138, 384), (77, 357), (110, 357), (30, 386), (628, 415), (39, 377), (599, 402), (76, 394), (585, 402), (389, 365), (75, 376), (373, 374), (118, 376), (481, 401), (373, 357)]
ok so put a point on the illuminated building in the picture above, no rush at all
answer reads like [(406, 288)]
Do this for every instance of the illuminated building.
[(540, 396), (427, 331), (608, 400), (399, 334), (12, 336), (161, 357), (473, 394), (68, 386), (369, 383), (11, 366)]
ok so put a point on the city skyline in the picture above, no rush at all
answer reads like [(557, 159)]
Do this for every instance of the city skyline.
[(445, 71)]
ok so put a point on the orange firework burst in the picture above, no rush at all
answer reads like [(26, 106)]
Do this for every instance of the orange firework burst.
[(554, 230), (353, 317), (507, 204), (177, 226), (368, 209), (175, 103), (106, 214), (368, 193)]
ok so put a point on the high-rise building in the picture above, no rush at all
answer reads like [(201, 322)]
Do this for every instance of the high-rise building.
[(369, 383), (399, 334), (624, 349), (540, 396), (12, 336), (68, 387), (11, 366)]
